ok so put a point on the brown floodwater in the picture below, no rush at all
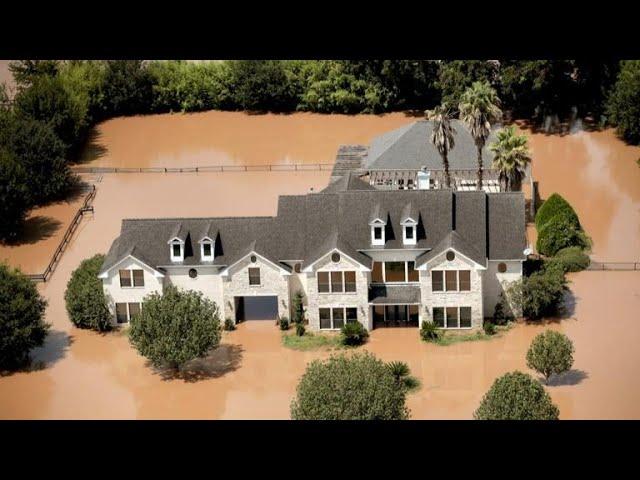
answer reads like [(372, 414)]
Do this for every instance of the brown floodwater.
[(87, 375), (6, 77)]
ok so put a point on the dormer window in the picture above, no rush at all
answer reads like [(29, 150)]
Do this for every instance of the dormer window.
[(377, 232), (409, 231), (177, 250), (206, 249)]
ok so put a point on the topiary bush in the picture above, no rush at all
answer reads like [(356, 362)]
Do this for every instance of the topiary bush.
[(558, 233), (22, 327), (550, 353), (553, 206), (175, 327), (84, 297), (516, 396), (354, 387), (284, 323), (570, 259), (429, 331), (353, 333), (229, 324)]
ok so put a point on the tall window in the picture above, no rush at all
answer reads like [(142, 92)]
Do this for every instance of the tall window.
[(454, 280), (452, 317), (176, 251), (323, 282), (451, 279), (398, 272), (377, 233), (464, 277), (132, 278), (334, 318), (412, 274), (337, 282), (437, 284), (125, 278), (376, 273), (254, 276), (394, 271), (126, 311), (207, 250), (409, 233), (349, 282)]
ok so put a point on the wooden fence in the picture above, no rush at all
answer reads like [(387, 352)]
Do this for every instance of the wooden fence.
[(294, 167), (86, 207), (619, 266)]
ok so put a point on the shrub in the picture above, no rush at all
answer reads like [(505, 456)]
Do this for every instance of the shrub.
[(21, 318), (229, 324), (623, 104), (402, 375), (516, 396), (176, 327), (353, 333), (355, 387), (429, 331), (553, 206), (298, 307), (538, 295), (550, 353), (300, 329), (84, 297), (558, 233), (13, 195), (284, 323), (503, 311), (489, 328), (570, 259)]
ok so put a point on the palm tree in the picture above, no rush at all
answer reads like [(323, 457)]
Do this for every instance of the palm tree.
[(442, 136), (479, 108), (511, 157)]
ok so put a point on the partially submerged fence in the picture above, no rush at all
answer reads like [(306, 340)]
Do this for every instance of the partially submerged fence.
[(620, 266), (285, 167), (86, 207)]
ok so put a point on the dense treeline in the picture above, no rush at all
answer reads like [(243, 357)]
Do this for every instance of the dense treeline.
[(58, 101)]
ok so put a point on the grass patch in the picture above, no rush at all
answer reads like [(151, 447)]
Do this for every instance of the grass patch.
[(311, 341), (445, 340)]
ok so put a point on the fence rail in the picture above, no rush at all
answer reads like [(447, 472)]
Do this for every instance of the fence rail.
[(293, 167), (86, 207), (614, 266)]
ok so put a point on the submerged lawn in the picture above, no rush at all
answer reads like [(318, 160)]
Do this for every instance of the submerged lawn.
[(311, 341), (445, 340)]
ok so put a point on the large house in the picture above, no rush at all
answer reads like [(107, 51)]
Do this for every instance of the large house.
[(358, 254)]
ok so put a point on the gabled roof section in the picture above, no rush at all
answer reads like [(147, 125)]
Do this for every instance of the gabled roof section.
[(349, 182), (453, 240), (506, 232), (334, 242)]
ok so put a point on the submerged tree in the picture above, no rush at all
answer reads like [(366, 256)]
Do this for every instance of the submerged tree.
[(550, 353), (84, 297), (511, 157), (479, 108), (442, 136)]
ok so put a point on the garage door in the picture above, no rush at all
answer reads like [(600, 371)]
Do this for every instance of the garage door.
[(256, 308)]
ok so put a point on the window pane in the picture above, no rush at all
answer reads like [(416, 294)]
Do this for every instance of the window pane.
[(207, 249), (176, 250), (254, 276), (409, 233), (413, 314), (338, 317), (125, 278), (452, 317), (377, 233), (349, 281), (138, 278), (414, 275), (438, 316), (436, 281), (394, 271), (336, 282), (376, 272), (121, 312), (452, 280), (352, 315), (378, 314), (325, 318), (465, 280), (323, 282), (134, 309), (465, 317)]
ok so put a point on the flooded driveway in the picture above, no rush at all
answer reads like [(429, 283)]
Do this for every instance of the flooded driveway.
[(87, 375)]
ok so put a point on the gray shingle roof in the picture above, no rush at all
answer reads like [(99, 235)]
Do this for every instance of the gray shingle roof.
[(394, 294), (350, 181), (410, 147), (309, 226)]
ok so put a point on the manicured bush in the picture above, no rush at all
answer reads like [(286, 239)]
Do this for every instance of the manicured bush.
[(558, 233), (284, 323), (489, 328), (354, 387), (538, 295), (550, 353), (21, 318), (353, 333), (429, 331), (553, 206), (229, 324), (300, 329), (516, 396), (570, 259), (175, 328), (84, 298)]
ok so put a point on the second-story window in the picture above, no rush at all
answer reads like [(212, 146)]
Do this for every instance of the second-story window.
[(451, 280), (254, 276), (337, 282), (132, 278)]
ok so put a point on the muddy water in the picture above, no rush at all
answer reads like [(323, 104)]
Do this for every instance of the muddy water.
[(230, 138), (5, 76)]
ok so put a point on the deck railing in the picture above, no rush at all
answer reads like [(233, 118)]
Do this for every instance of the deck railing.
[(86, 207), (285, 167), (626, 266)]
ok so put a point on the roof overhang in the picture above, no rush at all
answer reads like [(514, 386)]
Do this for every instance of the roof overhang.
[(105, 273), (309, 268), (283, 271), (478, 266), (176, 238)]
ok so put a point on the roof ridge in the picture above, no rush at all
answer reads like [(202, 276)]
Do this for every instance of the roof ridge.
[(407, 127)]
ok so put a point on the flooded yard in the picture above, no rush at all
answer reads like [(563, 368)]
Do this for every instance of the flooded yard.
[(87, 375)]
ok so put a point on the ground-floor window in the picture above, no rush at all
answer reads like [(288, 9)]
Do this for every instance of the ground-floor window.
[(335, 317), (395, 315), (126, 311), (452, 317)]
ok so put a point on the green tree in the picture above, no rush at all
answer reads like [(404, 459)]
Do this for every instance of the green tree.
[(442, 136), (297, 307), (511, 157), (479, 108), (516, 396), (554, 206), (539, 295), (355, 387), (22, 327), (550, 353), (26, 72), (559, 233), (127, 88), (84, 297), (623, 104), (456, 76), (175, 328), (13, 195)]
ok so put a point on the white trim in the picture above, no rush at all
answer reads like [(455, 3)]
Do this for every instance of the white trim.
[(309, 269), (172, 244), (203, 242), (408, 221), (377, 241), (445, 317), (130, 270), (425, 266), (406, 273), (344, 312), (156, 273), (377, 221), (225, 272), (344, 283), (409, 241), (206, 239), (444, 280), (176, 238)]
